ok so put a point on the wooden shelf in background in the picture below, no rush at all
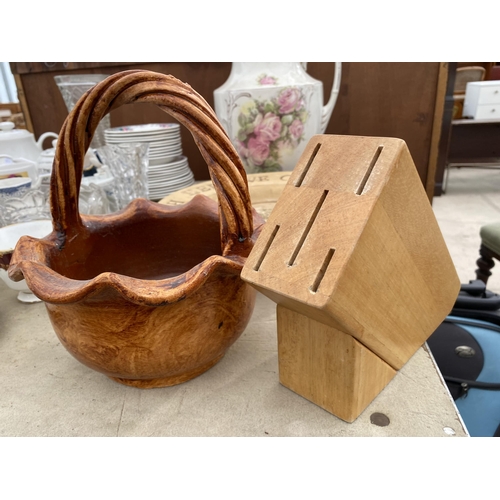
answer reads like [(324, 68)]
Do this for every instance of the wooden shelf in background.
[(403, 100)]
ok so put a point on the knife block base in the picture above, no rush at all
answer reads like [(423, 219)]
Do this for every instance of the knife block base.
[(327, 366)]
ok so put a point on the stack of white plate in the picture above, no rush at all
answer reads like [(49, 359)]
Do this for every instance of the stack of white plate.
[(170, 177), (168, 169)]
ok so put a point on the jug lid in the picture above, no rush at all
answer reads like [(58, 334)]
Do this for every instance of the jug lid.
[(9, 133)]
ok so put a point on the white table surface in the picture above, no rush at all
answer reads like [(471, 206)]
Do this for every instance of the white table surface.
[(46, 392)]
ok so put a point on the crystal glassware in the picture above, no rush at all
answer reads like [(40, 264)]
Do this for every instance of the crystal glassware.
[(72, 87)]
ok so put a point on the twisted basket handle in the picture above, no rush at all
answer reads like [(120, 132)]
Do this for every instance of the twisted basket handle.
[(189, 108)]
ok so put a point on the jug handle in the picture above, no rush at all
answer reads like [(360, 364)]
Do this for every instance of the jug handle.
[(327, 110), (44, 136)]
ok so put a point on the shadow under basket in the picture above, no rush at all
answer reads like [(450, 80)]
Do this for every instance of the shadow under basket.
[(150, 296)]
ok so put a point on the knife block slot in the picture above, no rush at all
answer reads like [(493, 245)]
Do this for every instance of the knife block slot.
[(369, 171), (303, 174), (266, 249), (308, 228), (321, 272)]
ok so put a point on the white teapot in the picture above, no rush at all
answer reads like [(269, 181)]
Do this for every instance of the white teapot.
[(271, 110), (19, 143)]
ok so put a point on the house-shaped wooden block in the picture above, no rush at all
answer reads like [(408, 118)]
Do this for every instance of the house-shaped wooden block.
[(354, 258)]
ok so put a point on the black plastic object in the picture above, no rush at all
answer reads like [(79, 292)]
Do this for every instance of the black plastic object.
[(444, 344), (475, 296)]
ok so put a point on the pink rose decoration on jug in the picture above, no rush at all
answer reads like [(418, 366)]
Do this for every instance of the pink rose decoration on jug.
[(258, 150), (296, 129), (289, 100), (267, 80), (271, 110), (266, 128)]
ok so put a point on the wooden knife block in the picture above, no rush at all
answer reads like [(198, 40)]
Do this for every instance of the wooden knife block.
[(354, 258)]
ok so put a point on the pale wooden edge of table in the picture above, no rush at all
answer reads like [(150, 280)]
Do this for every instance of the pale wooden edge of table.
[(264, 188)]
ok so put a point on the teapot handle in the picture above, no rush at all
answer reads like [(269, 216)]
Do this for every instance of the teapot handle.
[(44, 136), (327, 110)]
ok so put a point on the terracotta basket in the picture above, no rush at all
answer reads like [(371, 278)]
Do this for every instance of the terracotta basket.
[(150, 296)]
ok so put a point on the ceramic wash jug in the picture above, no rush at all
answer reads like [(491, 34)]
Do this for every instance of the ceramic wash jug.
[(271, 110)]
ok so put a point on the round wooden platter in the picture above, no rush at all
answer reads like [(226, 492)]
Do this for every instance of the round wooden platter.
[(265, 189)]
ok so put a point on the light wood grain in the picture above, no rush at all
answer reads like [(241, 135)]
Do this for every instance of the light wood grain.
[(391, 279), (353, 243), (327, 366)]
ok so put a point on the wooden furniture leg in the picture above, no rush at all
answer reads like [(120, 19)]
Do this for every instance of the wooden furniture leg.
[(485, 263)]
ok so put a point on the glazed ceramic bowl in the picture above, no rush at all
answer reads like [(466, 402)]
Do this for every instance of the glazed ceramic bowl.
[(151, 295), (14, 186), (9, 236)]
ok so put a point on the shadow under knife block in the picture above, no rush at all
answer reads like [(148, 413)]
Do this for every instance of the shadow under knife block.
[(354, 258)]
